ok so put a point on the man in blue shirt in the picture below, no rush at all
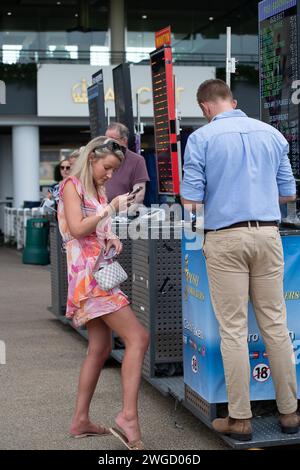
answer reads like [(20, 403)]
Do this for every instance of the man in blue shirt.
[(239, 169)]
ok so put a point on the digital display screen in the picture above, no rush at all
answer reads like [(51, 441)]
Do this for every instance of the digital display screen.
[(123, 100), (161, 123), (279, 69), (97, 108), (119, 92)]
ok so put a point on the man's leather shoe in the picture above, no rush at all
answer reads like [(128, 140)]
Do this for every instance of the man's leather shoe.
[(289, 423), (239, 429)]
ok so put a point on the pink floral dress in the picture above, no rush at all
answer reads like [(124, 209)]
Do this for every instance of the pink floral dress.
[(86, 300)]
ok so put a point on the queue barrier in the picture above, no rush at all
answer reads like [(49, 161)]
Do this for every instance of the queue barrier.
[(15, 221)]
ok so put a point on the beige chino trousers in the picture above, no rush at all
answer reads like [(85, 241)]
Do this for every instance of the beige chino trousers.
[(243, 262)]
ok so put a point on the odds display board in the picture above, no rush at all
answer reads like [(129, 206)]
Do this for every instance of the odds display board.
[(123, 100), (279, 71), (164, 121), (96, 105)]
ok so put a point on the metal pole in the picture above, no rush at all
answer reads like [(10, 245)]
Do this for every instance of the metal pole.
[(138, 118), (177, 122), (228, 56), (138, 126), (107, 116)]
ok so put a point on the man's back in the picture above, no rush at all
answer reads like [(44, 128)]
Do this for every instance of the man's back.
[(242, 164)]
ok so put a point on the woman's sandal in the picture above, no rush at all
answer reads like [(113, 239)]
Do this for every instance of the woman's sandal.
[(131, 445), (104, 432)]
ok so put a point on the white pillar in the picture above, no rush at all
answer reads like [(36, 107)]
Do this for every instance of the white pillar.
[(26, 163), (117, 31), (6, 173)]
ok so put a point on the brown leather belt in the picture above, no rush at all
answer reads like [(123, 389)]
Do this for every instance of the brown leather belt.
[(252, 223)]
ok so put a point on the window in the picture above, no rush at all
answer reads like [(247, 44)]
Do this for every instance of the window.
[(136, 54), (73, 51), (99, 55), (51, 49), (11, 53)]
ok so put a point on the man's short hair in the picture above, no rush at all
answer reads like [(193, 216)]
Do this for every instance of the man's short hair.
[(213, 90), (120, 128)]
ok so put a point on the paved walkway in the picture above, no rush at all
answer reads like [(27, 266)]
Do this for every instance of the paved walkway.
[(39, 380)]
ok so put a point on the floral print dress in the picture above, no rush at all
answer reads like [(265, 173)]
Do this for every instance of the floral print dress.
[(86, 300)]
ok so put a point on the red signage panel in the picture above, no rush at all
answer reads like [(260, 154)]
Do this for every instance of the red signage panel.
[(163, 37)]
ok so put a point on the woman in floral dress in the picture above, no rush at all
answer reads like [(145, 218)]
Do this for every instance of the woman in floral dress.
[(85, 225)]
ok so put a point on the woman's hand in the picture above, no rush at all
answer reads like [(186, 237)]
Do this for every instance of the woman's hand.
[(114, 243), (122, 202)]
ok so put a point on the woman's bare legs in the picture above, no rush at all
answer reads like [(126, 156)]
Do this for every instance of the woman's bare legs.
[(100, 339), (136, 340)]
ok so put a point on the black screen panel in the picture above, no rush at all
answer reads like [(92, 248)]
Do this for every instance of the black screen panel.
[(279, 69), (123, 100), (96, 103)]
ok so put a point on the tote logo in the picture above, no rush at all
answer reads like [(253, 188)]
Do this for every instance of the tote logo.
[(2, 92), (2, 353)]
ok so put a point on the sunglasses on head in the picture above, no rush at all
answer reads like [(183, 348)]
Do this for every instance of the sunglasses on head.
[(112, 146), (63, 167)]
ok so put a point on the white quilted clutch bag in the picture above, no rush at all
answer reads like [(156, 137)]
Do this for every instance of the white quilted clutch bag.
[(110, 275)]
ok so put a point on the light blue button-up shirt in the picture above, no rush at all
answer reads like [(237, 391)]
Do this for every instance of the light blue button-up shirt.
[(238, 166)]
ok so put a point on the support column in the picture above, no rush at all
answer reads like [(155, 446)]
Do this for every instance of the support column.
[(26, 163), (83, 26), (117, 31), (6, 173)]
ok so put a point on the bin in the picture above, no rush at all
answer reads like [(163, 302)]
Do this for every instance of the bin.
[(36, 249)]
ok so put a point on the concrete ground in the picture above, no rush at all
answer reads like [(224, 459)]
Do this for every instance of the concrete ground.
[(39, 379)]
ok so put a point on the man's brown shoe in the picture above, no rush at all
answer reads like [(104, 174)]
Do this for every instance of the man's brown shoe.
[(239, 429), (289, 423)]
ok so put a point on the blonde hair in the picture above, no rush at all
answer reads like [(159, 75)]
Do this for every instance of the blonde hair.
[(75, 153), (83, 168)]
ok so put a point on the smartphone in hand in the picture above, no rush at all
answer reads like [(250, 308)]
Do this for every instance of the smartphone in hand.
[(110, 254), (136, 190)]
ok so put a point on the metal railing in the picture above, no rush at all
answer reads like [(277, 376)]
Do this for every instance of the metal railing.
[(15, 221)]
